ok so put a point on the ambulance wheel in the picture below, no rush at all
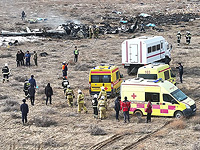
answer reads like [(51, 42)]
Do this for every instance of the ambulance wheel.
[(178, 115), (138, 114)]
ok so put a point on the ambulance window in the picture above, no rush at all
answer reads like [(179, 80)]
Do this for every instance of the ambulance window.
[(154, 97), (149, 49), (158, 47), (167, 98), (117, 75), (166, 73), (95, 79), (148, 76), (106, 79), (154, 48)]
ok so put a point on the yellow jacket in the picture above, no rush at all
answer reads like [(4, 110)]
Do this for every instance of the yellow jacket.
[(103, 93), (69, 93), (80, 98), (102, 105)]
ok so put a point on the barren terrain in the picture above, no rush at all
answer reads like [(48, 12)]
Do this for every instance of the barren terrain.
[(58, 126)]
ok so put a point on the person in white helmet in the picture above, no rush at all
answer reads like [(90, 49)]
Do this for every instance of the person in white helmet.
[(69, 96), (102, 105), (65, 83), (178, 38), (5, 72), (80, 101), (64, 69), (188, 37), (103, 93), (94, 105)]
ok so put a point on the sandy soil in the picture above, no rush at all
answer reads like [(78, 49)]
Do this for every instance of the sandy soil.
[(73, 131)]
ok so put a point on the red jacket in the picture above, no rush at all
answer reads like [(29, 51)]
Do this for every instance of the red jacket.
[(149, 107), (126, 105)]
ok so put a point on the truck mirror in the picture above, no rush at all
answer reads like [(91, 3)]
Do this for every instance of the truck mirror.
[(121, 75)]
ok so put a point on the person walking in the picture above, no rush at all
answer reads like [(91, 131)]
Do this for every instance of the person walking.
[(126, 107), (178, 38), (35, 57), (23, 15), (32, 81), (64, 69), (48, 93), (142, 27), (31, 92), (103, 93), (5, 72), (102, 105), (28, 58), (24, 109), (26, 86), (180, 69), (65, 83), (76, 53), (94, 105), (80, 101), (117, 107), (21, 58), (18, 58), (91, 32), (149, 111), (69, 96), (188, 37)]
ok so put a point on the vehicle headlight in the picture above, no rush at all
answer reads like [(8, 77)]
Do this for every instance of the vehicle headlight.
[(187, 106)]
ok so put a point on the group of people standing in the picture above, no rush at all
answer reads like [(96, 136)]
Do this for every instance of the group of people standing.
[(187, 37), (20, 56)]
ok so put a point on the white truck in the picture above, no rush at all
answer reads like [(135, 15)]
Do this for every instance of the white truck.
[(144, 50)]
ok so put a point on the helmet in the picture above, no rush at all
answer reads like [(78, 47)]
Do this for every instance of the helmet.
[(68, 86), (95, 96), (187, 31), (102, 97), (6, 64), (102, 88), (79, 91), (179, 32), (64, 62)]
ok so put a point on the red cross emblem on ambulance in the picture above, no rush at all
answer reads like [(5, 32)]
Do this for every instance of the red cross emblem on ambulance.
[(133, 96), (105, 88)]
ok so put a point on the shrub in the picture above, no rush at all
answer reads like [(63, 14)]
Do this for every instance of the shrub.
[(195, 120), (51, 142), (3, 96), (197, 127), (15, 116), (196, 146), (20, 79), (178, 124), (5, 55), (95, 130), (44, 121), (11, 103)]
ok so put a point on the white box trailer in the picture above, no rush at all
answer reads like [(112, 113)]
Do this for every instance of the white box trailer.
[(144, 50)]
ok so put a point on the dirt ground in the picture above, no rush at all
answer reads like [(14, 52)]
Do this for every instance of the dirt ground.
[(69, 130)]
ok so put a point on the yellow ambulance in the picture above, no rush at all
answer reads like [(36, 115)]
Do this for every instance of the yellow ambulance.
[(107, 76), (166, 98), (156, 71)]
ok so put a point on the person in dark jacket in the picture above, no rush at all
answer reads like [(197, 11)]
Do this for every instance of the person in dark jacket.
[(180, 69), (18, 58), (48, 92), (22, 58), (23, 15), (5, 72), (117, 107), (64, 69), (32, 81), (24, 109), (31, 92), (28, 58), (94, 105), (126, 107), (149, 111)]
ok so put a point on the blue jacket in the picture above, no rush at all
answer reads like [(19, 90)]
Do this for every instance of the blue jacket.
[(28, 56), (31, 91), (24, 108), (32, 82)]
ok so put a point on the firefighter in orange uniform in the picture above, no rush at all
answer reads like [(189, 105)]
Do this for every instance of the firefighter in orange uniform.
[(126, 107)]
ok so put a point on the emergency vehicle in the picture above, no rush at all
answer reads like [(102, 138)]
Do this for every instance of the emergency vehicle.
[(144, 50), (157, 71), (107, 76), (166, 98)]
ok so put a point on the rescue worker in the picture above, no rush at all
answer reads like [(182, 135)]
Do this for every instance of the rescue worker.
[(142, 28), (178, 38), (117, 107), (91, 32), (48, 93), (180, 69), (69, 96), (26, 86), (64, 69), (31, 92), (103, 93), (96, 32), (18, 58), (188, 37), (28, 57), (5, 72), (76, 53), (94, 105), (80, 101), (65, 83), (126, 107), (35, 57), (102, 105), (149, 111), (24, 109), (23, 15), (32, 81), (22, 58)]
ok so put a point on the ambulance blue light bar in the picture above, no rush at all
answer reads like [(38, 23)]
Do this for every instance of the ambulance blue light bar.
[(160, 79)]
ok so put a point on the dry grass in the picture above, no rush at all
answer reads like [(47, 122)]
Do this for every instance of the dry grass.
[(44, 121), (178, 125), (195, 120), (95, 130), (161, 134)]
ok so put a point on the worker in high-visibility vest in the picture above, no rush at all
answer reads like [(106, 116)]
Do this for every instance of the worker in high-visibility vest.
[(64, 69), (103, 93), (102, 105), (69, 96), (80, 101), (76, 53)]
